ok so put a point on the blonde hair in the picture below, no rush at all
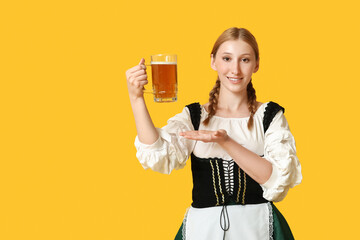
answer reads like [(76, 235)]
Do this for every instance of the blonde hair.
[(234, 34)]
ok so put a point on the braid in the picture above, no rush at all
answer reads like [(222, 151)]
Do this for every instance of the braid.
[(213, 101), (252, 103)]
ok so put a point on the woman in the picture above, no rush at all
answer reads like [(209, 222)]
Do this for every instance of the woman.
[(243, 155)]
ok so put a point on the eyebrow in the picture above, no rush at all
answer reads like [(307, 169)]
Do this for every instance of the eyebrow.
[(231, 53)]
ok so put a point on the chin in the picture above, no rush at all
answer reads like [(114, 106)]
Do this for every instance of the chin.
[(234, 88)]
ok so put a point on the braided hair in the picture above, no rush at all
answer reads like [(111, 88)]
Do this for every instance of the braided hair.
[(213, 101), (234, 34)]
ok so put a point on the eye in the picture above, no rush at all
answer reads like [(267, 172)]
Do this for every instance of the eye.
[(245, 60), (226, 59)]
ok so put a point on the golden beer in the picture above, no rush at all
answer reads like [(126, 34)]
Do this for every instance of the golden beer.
[(164, 78)]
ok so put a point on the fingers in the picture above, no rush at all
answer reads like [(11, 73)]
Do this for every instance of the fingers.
[(142, 64), (139, 79), (139, 83), (137, 76), (205, 132), (142, 61), (205, 135), (135, 69), (189, 134), (200, 135), (220, 132), (139, 73), (138, 67)]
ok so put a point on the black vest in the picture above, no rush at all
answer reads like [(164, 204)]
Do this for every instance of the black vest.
[(209, 188)]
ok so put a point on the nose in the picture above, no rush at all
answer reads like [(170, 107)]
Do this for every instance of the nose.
[(235, 68)]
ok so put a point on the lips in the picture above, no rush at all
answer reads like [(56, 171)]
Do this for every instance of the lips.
[(235, 79)]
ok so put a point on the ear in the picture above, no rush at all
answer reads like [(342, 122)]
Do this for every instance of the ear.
[(213, 62), (257, 66)]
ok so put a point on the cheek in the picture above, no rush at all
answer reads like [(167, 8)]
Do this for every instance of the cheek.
[(221, 68), (249, 69)]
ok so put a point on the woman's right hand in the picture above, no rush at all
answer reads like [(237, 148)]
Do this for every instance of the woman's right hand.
[(136, 80)]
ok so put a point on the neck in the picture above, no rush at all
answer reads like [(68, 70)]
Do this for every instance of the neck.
[(233, 101)]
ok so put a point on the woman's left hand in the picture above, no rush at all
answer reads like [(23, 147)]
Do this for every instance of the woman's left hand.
[(218, 136)]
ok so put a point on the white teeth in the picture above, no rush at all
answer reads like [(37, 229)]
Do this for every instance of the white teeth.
[(234, 79)]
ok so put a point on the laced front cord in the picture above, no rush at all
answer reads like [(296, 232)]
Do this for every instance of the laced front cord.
[(224, 220), (228, 166)]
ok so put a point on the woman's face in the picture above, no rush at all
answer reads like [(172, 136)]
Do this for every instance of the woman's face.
[(235, 63)]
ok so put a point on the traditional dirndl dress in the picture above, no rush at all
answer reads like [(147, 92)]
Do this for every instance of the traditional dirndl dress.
[(228, 203)]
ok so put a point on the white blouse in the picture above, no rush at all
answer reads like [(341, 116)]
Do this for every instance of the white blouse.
[(277, 145)]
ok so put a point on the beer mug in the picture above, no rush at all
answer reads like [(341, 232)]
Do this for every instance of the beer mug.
[(164, 77)]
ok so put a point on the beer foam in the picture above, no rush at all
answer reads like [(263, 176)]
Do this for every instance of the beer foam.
[(162, 63)]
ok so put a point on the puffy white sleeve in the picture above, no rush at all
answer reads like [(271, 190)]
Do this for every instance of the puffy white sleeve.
[(170, 151), (280, 150)]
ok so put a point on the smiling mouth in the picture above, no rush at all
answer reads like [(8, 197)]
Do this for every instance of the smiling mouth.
[(235, 80)]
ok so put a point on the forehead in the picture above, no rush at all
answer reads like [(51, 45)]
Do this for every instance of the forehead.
[(236, 47)]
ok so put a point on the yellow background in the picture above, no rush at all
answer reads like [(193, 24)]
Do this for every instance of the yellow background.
[(67, 161)]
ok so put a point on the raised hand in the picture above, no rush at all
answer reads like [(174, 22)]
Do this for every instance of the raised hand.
[(136, 80)]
